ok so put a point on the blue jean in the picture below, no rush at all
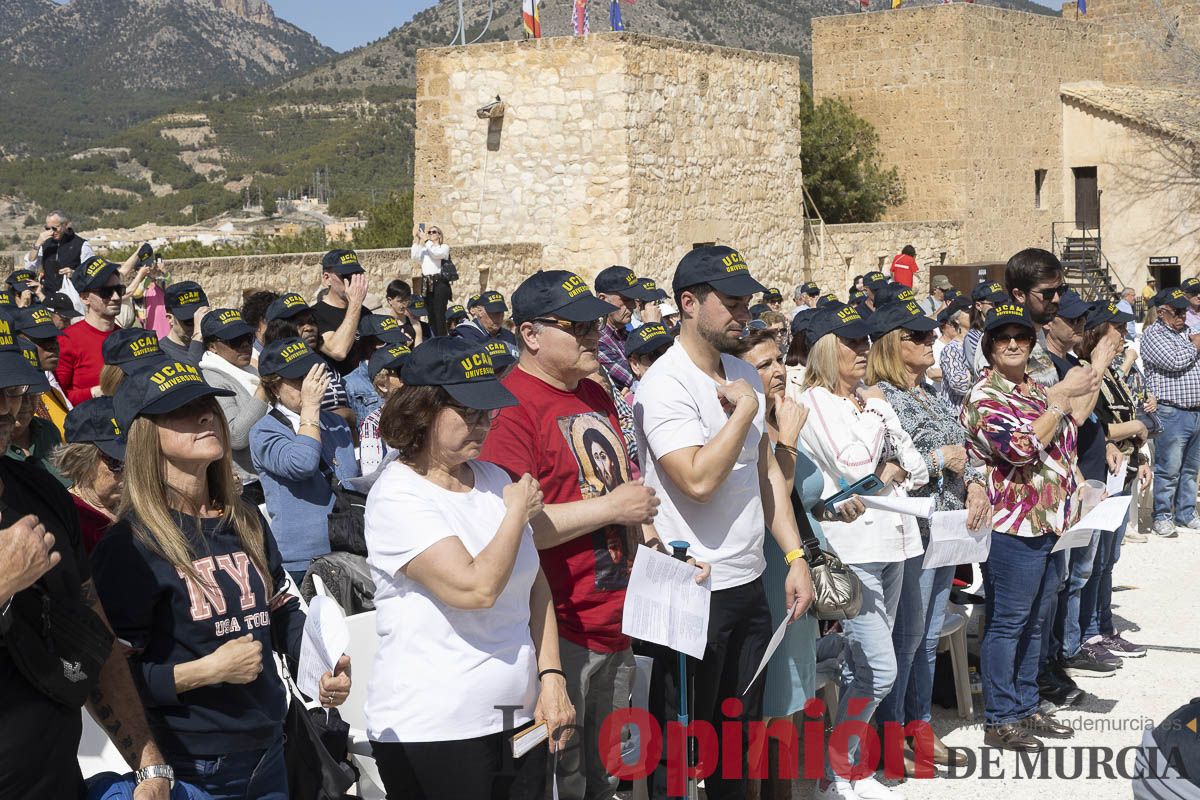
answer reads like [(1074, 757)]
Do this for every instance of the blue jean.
[(111, 786), (918, 699), (1176, 462), (1051, 633), (252, 775), (1095, 614), (1067, 618), (910, 639), (870, 667), (1020, 577)]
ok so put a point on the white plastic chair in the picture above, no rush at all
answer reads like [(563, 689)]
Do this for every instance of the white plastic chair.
[(954, 639), (364, 644)]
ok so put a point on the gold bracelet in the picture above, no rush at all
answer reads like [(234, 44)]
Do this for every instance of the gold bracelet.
[(312, 422), (793, 555)]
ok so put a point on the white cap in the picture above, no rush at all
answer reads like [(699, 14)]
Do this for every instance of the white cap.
[(666, 309)]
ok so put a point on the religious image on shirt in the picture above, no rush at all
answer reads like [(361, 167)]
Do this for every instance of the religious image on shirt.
[(603, 466)]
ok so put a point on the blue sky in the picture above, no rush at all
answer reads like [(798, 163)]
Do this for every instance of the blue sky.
[(345, 24)]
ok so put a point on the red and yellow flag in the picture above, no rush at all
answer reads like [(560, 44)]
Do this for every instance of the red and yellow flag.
[(533, 22)]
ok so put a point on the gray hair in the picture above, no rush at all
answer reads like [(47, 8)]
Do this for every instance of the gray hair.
[(796, 295), (63, 217)]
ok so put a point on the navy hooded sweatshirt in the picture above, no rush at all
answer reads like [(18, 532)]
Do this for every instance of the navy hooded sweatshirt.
[(168, 619)]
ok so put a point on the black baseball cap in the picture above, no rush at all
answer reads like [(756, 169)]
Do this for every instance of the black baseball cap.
[(841, 320), (455, 312), (416, 304), (93, 274), (1103, 312), (1173, 297), (621, 281), (1009, 313), (288, 358), (1190, 286), (131, 349), (384, 327), (36, 322), (874, 280), (30, 354), (286, 306), (6, 298), (801, 322), (224, 323), (183, 298), (957, 305), (558, 292), (463, 369), (991, 292), (60, 304), (22, 276), (95, 421), (721, 267), (772, 295), (892, 291), (904, 314), (650, 286), (501, 353), (1072, 306), (811, 288), (857, 296), (828, 299), (344, 262), (15, 370), (757, 309), (647, 338), (951, 294), (492, 302), (390, 357), (161, 388)]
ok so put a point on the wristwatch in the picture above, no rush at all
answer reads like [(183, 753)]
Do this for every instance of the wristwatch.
[(155, 771)]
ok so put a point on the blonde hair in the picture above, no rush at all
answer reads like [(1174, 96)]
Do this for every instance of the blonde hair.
[(885, 361), (77, 461), (821, 369), (110, 378), (772, 318), (149, 499)]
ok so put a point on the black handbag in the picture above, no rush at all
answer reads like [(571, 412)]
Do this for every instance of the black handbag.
[(315, 749), (59, 650), (347, 521), (449, 270)]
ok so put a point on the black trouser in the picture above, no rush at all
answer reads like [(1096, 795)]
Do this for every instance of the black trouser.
[(437, 296), (471, 769), (739, 628)]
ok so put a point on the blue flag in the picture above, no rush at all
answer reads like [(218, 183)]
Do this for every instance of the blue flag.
[(614, 15), (1081, 6)]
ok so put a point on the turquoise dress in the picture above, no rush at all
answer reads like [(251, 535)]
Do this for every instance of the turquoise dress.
[(792, 670)]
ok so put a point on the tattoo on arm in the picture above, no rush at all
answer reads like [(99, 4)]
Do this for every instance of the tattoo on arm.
[(108, 720), (87, 594)]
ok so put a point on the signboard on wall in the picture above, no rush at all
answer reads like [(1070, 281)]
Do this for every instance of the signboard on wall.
[(1164, 261)]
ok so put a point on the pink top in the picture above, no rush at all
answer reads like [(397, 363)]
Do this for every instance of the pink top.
[(154, 302)]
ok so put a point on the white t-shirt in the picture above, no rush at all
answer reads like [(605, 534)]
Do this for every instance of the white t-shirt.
[(677, 407), (441, 671)]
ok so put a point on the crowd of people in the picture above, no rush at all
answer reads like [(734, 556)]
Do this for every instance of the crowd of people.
[(175, 473)]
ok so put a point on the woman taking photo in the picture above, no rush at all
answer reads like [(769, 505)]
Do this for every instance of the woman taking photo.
[(191, 578), (851, 433), (93, 459), (465, 618), (901, 352), (298, 451), (1025, 436)]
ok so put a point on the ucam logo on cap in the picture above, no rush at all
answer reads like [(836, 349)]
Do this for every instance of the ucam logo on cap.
[(397, 350), (6, 335), (144, 346), (574, 285), (630, 279), (907, 294), (40, 316), (493, 297), (649, 285), (116, 426), (388, 323), (478, 365), (496, 347), (650, 330), (31, 356), (994, 287), (348, 258), (849, 314), (230, 315), (913, 308), (187, 298), (5, 298), (734, 262), (1009, 310), (292, 300), (871, 277), (294, 351), (169, 376), (96, 266)]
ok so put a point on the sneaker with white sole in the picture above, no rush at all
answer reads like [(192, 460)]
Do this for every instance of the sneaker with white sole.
[(1165, 529), (1133, 537), (1121, 647), (871, 789), (837, 789), (1191, 527)]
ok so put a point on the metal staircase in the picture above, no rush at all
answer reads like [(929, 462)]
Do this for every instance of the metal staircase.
[(1085, 267)]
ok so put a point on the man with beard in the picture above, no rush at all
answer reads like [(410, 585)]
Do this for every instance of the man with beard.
[(43, 564), (702, 434), (619, 287), (1034, 278), (80, 360)]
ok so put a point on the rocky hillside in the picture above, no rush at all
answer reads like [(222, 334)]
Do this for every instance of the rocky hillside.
[(14, 14), (780, 26)]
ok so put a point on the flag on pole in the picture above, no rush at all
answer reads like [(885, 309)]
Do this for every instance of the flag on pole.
[(614, 15), (580, 19), (896, 3), (1081, 7), (531, 18)]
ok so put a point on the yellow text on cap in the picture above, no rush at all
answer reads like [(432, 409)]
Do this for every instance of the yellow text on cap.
[(734, 262), (6, 337), (232, 315), (1009, 310), (293, 351), (913, 308), (477, 365), (348, 258), (574, 285), (849, 314), (292, 300), (650, 331), (144, 346), (171, 375), (188, 298)]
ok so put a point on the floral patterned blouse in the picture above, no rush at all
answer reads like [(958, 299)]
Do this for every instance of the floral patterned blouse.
[(933, 423), (1030, 483)]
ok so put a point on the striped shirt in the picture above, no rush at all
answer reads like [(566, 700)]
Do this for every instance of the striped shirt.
[(1172, 365)]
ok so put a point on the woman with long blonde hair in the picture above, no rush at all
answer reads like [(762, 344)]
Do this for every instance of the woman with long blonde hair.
[(191, 578)]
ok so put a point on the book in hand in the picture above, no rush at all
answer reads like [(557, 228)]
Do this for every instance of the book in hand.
[(525, 740)]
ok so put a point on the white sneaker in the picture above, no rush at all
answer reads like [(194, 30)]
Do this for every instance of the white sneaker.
[(1165, 529), (871, 789), (838, 789)]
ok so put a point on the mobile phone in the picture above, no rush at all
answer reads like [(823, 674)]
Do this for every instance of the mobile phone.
[(868, 485), (421, 227)]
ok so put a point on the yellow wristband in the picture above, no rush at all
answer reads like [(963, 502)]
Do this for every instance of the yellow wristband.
[(792, 556)]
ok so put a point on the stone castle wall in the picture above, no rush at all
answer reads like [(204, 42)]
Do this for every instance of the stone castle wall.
[(480, 267), (858, 248), (1147, 41), (614, 149), (965, 100)]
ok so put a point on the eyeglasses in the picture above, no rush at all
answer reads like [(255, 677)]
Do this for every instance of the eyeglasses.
[(1048, 295), (15, 391), (107, 292), (113, 464), (919, 337), (1019, 338), (475, 417), (576, 329)]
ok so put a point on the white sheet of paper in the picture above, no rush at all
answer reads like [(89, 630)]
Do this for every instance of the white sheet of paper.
[(1116, 483), (1107, 516), (951, 543), (772, 646), (913, 506), (325, 640), (665, 605)]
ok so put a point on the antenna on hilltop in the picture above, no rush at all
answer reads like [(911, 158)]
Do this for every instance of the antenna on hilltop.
[(460, 35)]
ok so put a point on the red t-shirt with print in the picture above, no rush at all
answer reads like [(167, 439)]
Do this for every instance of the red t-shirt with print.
[(571, 443), (904, 267)]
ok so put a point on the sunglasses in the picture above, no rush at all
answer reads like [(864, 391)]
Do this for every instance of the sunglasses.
[(919, 337), (15, 391), (475, 417), (754, 325), (1019, 338), (107, 292), (1048, 295), (576, 329), (434, 232)]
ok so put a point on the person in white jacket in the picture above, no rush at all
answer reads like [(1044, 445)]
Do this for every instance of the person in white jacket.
[(430, 251), (851, 433)]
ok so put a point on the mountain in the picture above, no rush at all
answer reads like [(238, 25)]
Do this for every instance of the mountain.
[(72, 73), (779, 26)]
